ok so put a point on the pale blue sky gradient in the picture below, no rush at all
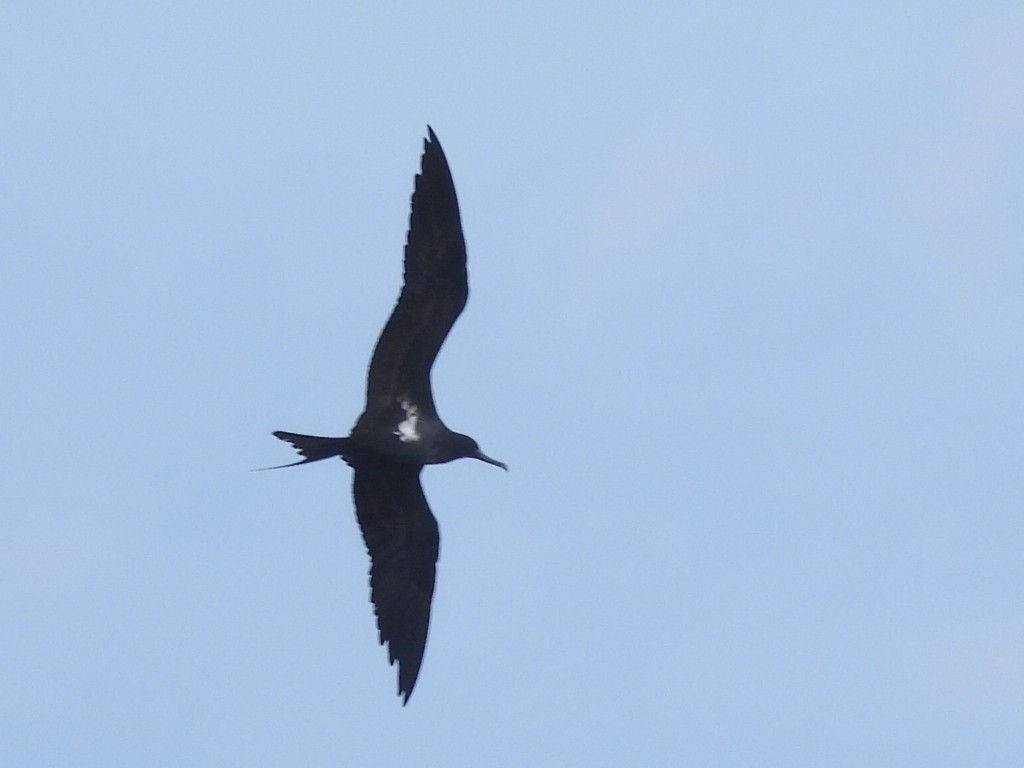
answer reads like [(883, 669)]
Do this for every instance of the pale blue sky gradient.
[(746, 322)]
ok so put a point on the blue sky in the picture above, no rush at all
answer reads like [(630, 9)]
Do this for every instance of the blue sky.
[(746, 323)]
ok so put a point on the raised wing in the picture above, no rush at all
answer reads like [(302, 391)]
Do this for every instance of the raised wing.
[(434, 291), (402, 538)]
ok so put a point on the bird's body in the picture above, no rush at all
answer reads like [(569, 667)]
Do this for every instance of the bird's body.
[(399, 430)]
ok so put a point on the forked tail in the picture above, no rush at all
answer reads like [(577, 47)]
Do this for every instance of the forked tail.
[(312, 448)]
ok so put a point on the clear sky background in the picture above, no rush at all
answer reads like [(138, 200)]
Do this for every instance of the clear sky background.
[(746, 322)]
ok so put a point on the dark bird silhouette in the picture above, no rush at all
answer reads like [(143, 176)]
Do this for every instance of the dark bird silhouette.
[(400, 431)]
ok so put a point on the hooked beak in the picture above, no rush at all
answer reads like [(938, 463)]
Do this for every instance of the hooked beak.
[(484, 457)]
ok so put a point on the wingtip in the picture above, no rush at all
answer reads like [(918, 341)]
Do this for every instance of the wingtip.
[(432, 141), (430, 146), (404, 688), (406, 683)]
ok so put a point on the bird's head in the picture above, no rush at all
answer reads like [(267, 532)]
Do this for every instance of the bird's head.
[(461, 446)]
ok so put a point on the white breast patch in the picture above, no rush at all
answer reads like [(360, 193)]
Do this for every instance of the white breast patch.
[(407, 430)]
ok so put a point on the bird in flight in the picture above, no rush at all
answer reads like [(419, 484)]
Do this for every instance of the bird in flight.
[(399, 431)]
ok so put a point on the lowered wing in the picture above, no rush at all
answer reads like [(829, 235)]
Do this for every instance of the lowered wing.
[(402, 538)]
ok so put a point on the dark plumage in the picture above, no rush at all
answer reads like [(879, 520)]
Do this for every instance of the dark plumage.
[(399, 430)]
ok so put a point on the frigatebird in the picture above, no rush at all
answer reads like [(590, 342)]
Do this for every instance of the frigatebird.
[(400, 431)]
